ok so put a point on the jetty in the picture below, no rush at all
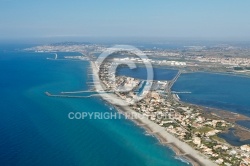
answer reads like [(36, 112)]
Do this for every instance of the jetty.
[(75, 92), (173, 92), (53, 58), (68, 96)]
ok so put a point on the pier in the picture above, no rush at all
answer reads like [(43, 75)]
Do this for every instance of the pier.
[(53, 58), (75, 92), (68, 96), (87, 91), (173, 92)]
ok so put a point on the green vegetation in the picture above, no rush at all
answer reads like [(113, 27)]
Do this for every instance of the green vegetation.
[(203, 129), (169, 124), (216, 138), (188, 136), (238, 68)]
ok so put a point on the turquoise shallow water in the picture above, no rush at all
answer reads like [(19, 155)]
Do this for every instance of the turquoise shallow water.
[(35, 129)]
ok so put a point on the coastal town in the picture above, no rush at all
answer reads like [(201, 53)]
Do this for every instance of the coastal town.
[(188, 123), (217, 58), (125, 83)]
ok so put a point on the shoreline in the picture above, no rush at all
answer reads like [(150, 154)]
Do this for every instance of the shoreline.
[(181, 149), (212, 109), (234, 74), (218, 112), (227, 115)]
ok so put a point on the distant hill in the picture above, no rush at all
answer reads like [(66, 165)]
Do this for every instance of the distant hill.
[(70, 43)]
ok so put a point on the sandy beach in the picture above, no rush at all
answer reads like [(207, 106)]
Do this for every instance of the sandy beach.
[(181, 149)]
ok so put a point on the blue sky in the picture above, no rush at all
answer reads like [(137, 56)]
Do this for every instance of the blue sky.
[(118, 18)]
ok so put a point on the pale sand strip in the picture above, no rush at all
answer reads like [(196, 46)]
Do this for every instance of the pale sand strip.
[(181, 148)]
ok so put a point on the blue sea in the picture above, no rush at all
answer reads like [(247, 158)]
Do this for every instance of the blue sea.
[(35, 129)]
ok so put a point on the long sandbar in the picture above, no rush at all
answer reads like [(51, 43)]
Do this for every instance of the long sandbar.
[(181, 148)]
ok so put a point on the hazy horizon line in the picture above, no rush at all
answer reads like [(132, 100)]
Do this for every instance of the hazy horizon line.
[(132, 39)]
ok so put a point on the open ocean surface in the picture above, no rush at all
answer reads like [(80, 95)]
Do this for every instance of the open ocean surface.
[(35, 129)]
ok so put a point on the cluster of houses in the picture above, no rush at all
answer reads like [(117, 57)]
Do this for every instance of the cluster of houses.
[(188, 123)]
